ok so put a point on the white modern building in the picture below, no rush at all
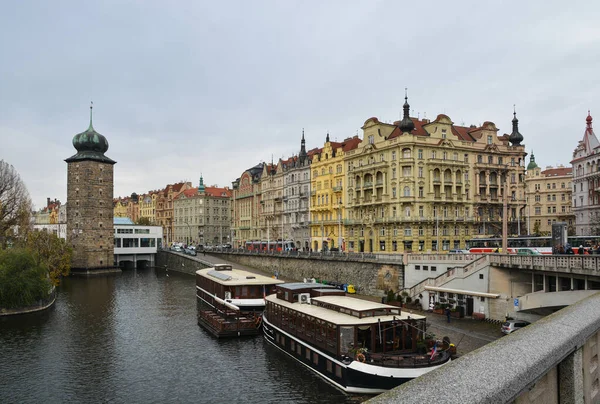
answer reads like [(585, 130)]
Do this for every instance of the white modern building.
[(136, 244)]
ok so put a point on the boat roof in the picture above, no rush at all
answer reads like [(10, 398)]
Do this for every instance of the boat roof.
[(237, 277), (338, 318)]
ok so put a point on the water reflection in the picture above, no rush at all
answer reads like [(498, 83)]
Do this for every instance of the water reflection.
[(134, 338)]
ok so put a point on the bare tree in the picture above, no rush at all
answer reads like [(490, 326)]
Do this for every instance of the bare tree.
[(15, 203)]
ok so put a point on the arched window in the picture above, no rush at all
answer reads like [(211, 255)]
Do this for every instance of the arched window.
[(406, 153), (406, 191)]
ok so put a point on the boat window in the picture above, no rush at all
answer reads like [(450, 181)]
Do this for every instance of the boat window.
[(346, 339)]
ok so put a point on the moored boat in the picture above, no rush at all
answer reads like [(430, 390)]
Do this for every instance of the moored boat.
[(357, 345), (231, 301)]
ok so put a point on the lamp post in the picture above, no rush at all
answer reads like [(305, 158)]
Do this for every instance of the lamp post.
[(340, 226)]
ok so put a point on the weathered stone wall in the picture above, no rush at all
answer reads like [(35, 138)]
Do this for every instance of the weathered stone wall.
[(90, 214), (370, 278), (179, 263)]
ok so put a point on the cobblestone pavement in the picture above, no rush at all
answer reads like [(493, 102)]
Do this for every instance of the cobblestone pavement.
[(465, 333)]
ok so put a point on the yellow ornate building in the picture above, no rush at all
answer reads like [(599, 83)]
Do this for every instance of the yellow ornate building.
[(419, 185), (147, 206), (120, 207), (328, 181), (548, 197)]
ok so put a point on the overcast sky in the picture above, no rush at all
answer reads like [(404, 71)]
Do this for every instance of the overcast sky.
[(183, 88)]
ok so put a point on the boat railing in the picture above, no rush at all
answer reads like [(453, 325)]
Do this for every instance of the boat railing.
[(400, 360)]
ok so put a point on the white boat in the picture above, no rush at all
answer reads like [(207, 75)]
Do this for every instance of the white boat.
[(357, 345), (231, 301)]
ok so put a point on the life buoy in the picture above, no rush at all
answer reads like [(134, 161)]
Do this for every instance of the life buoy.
[(360, 357)]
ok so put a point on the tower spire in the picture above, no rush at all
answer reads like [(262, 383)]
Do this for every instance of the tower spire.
[(515, 137), (406, 124), (91, 110)]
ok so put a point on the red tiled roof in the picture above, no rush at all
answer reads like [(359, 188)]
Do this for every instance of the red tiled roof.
[(189, 193), (351, 143), (551, 172), (218, 192)]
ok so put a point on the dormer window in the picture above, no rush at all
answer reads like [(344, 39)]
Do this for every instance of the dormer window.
[(371, 139), (443, 133)]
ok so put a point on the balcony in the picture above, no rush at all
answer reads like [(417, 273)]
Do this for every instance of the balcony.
[(368, 185), (337, 189)]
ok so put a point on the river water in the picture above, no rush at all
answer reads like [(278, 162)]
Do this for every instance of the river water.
[(133, 338)]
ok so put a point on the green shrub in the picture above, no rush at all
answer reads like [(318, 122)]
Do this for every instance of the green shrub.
[(391, 296), (23, 282)]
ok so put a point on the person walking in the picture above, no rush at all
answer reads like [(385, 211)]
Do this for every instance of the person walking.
[(448, 314)]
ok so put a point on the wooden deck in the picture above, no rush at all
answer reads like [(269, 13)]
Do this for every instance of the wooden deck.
[(229, 323)]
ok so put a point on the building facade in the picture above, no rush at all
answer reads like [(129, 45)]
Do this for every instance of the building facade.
[(327, 201), (90, 202), (246, 215), (202, 216), (296, 188), (419, 185), (548, 196), (164, 209), (586, 182), (147, 206)]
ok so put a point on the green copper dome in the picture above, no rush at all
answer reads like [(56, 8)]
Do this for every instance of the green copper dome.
[(532, 164), (90, 145)]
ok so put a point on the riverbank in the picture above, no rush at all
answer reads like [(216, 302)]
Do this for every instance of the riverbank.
[(44, 305)]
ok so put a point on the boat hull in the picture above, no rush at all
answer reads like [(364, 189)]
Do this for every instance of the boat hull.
[(349, 376)]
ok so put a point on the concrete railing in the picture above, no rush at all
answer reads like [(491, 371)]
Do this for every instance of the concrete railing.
[(552, 360), (579, 264), (418, 258)]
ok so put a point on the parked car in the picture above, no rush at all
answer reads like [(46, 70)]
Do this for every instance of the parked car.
[(513, 325), (191, 250), (458, 252), (176, 248)]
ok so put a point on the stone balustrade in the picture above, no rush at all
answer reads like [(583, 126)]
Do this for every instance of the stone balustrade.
[(552, 360)]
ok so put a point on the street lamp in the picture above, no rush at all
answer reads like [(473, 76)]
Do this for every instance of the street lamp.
[(340, 226)]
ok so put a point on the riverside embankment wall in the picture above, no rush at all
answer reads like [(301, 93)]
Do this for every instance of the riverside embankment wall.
[(180, 262), (369, 277)]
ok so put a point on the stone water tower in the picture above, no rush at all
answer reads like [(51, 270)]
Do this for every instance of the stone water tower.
[(90, 229)]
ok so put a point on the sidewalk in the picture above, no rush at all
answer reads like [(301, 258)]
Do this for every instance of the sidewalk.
[(466, 334)]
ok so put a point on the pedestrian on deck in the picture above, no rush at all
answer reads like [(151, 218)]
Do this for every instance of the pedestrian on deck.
[(448, 314), (581, 249)]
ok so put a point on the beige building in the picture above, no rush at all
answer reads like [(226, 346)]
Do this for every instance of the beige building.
[(164, 209), (203, 215), (419, 185), (246, 215), (548, 198)]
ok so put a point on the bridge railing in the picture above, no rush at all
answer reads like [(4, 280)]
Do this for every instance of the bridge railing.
[(552, 360), (562, 263)]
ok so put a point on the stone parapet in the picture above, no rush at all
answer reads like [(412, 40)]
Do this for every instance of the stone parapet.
[(551, 360)]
